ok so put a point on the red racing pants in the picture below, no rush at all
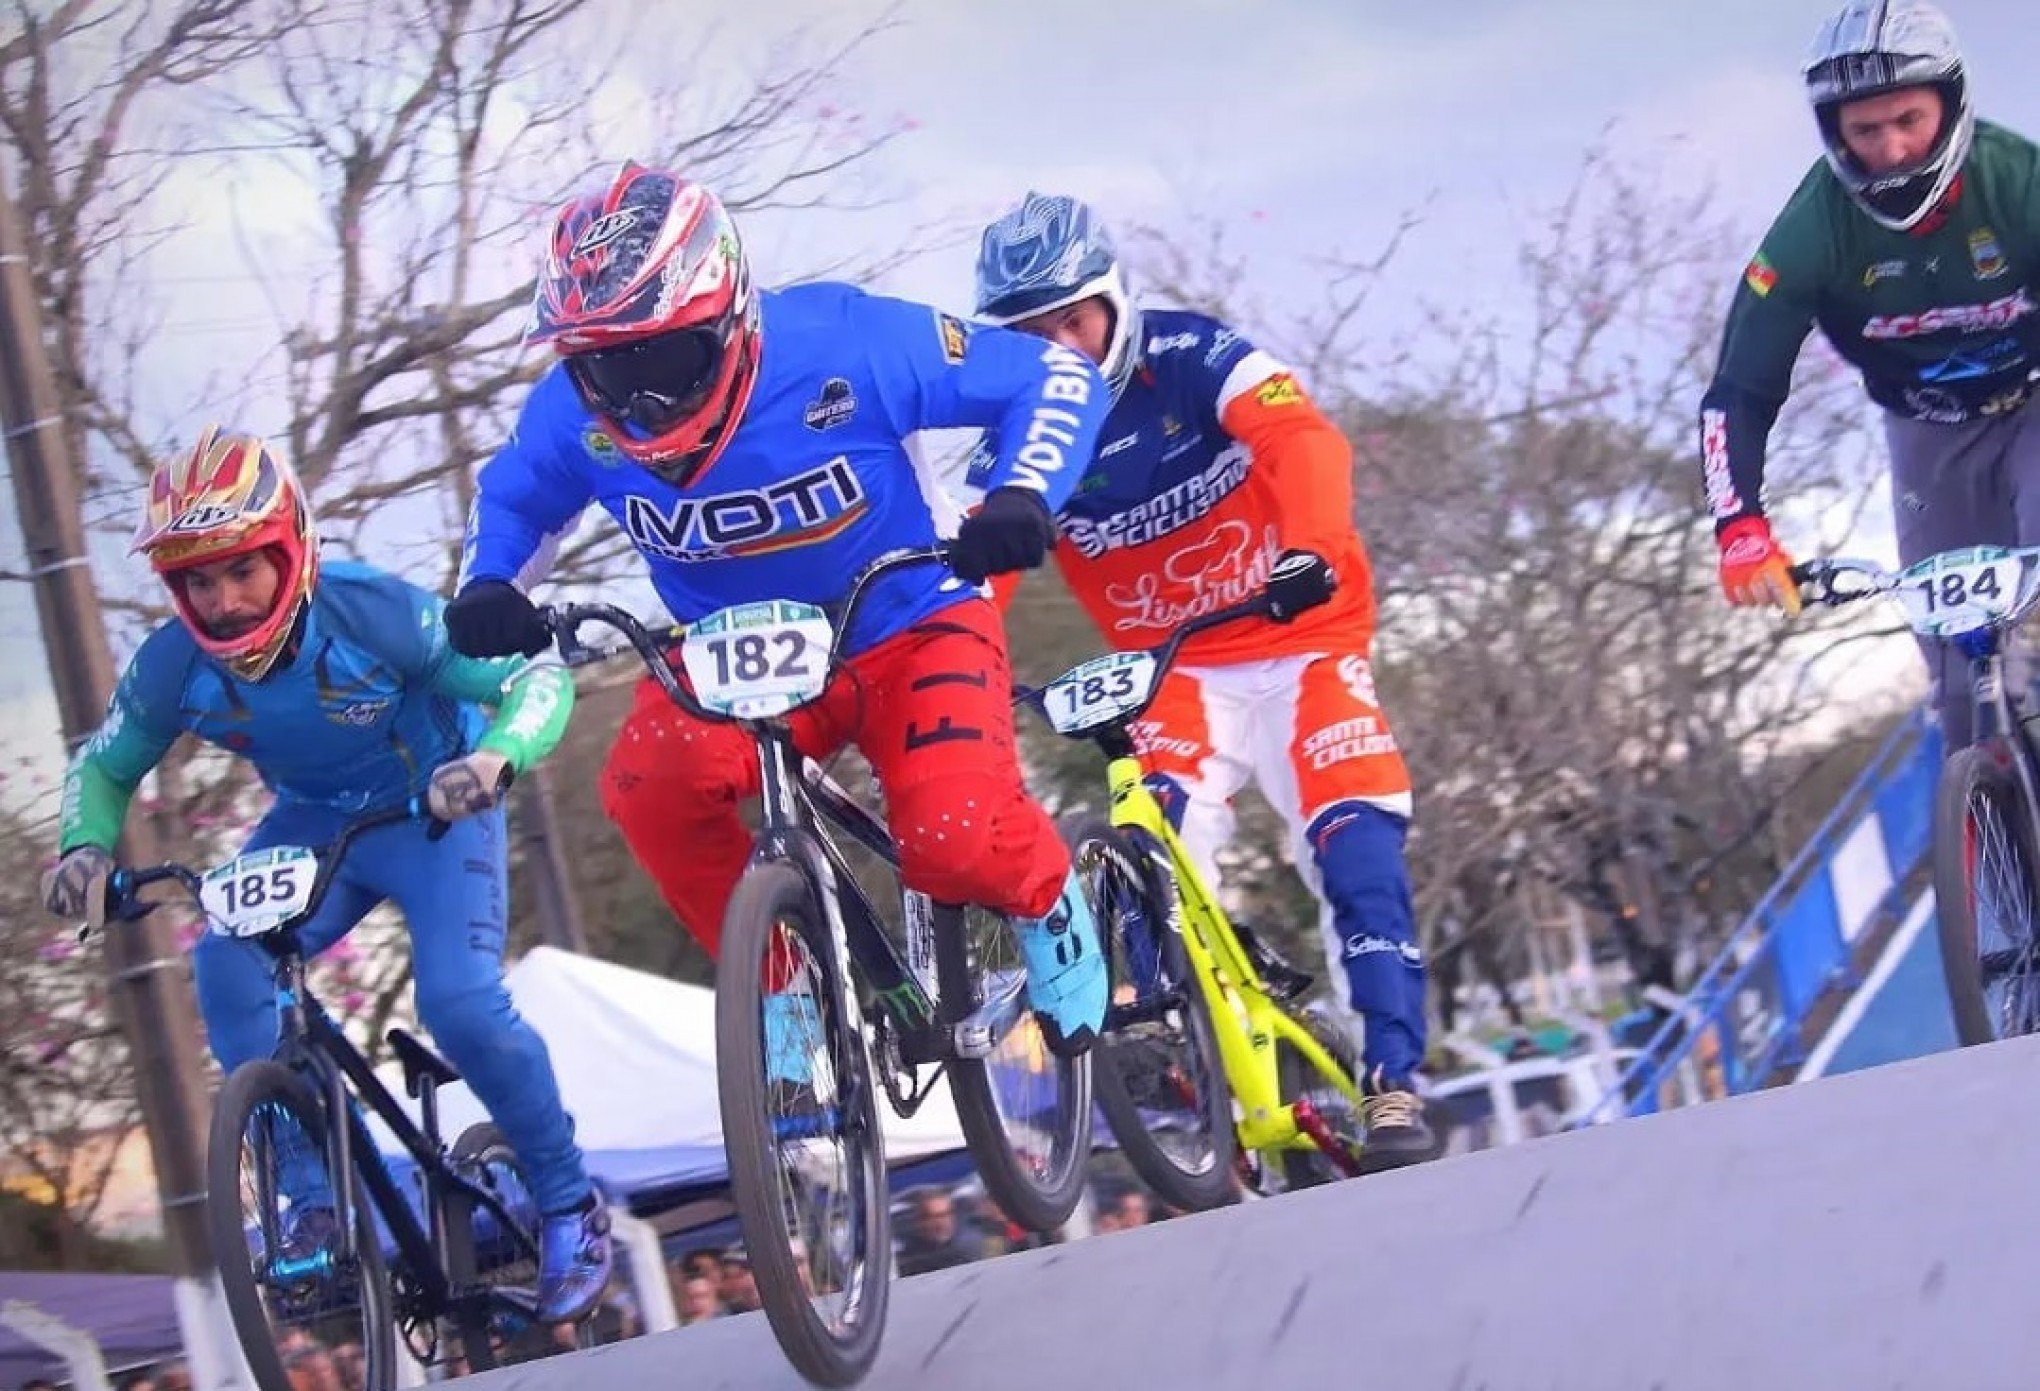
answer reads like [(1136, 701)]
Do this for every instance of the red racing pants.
[(930, 708)]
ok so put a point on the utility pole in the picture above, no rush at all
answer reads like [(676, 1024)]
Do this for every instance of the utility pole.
[(559, 912), (145, 971)]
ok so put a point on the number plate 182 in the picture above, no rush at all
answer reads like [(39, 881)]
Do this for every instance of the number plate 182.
[(753, 661)]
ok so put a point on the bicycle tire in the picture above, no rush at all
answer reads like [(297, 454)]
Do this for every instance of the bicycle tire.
[(774, 910), (480, 1148), (1193, 1064), (248, 1090), (1037, 1190), (2005, 856)]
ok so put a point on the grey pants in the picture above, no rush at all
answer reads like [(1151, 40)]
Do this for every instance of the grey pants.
[(1976, 484)]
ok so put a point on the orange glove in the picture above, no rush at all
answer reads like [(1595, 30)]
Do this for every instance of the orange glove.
[(1754, 568)]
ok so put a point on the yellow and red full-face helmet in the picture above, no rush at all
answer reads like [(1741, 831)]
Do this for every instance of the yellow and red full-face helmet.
[(232, 495)]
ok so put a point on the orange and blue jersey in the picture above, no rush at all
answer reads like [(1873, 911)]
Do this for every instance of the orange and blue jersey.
[(1212, 462), (817, 480)]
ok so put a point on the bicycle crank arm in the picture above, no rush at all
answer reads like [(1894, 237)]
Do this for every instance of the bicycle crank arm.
[(1149, 1011), (978, 1033), (1312, 1124)]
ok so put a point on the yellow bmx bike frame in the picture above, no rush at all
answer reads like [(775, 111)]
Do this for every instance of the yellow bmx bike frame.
[(1250, 1026)]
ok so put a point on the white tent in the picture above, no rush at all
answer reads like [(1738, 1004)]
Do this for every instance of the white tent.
[(635, 1055)]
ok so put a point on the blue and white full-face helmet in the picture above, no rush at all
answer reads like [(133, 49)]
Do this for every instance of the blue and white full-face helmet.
[(1053, 251)]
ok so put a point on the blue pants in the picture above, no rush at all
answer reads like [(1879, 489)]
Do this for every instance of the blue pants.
[(1356, 870), (454, 895)]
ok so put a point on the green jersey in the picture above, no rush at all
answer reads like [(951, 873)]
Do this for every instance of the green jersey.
[(1943, 321)]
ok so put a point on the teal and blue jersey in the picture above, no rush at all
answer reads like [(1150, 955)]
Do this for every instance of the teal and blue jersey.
[(371, 703)]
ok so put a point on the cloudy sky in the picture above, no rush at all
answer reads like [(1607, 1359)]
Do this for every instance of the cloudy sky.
[(1303, 126)]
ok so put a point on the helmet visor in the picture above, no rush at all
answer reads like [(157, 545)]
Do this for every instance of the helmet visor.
[(652, 384)]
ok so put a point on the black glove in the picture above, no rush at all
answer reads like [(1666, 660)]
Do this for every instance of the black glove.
[(1012, 531), (1301, 580), (492, 618)]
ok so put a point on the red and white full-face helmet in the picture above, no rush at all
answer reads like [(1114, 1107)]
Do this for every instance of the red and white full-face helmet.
[(647, 297)]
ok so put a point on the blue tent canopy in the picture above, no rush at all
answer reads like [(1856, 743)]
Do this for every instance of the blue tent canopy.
[(133, 1317)]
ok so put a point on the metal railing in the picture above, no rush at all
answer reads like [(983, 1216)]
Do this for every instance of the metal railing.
[(1743, 1019)]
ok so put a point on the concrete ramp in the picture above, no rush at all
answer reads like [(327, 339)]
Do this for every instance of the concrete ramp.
[(1879, 1230)]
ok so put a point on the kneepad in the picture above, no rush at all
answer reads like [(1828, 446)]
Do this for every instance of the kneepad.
[(1171, 795), (1358, 848)]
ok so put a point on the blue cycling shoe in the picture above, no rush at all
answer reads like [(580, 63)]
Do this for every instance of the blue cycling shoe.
[(1067, 980)]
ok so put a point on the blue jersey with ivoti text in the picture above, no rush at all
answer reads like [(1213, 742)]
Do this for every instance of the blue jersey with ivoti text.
[(816, 481)]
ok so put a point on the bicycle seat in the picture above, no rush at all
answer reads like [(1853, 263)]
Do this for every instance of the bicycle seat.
[(420, 1063)]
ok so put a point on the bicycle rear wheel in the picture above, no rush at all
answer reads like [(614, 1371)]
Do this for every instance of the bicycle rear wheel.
[(807, 1165), (1987, 894), (1025, 1112), (1160, 1078), (292, 1295)]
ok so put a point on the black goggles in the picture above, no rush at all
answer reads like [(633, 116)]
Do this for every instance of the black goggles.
[(655, 383)]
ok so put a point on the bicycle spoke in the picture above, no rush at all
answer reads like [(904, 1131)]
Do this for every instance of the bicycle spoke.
[(810, 1121), (2003, 907)]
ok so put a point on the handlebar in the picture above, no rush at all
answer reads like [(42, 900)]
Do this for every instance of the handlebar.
[(1307, 573), (124, 885), (1816, 580), (652, 645)]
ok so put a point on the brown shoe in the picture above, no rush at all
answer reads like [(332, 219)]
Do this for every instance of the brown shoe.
[(1397, 1134)]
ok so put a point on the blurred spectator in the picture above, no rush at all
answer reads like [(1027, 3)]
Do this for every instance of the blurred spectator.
[(934, 1240), (307, 1363), (140, 1381), (738, 1286), (997, 1232), (38, 1384), (176, 1376), (348, 1362), (705, 1261), (1130, 1209), (698, 1300)]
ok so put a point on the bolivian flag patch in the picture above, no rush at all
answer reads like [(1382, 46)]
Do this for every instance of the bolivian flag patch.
[(1760, 275)]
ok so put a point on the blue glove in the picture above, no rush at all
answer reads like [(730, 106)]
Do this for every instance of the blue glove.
[(1012, 531)]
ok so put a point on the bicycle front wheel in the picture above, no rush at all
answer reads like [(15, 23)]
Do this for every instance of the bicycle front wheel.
[(800, 1123), (1987, 894), (1025, 1112), (294, 1294), (1160, 1079)]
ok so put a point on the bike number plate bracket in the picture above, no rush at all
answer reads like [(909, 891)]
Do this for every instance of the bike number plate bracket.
[(259, 891), (1962, 590), (1099, 691), (753, 661)]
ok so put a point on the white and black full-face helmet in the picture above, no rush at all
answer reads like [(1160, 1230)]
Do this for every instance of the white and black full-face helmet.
[(1052, 251), (1868, 48)]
